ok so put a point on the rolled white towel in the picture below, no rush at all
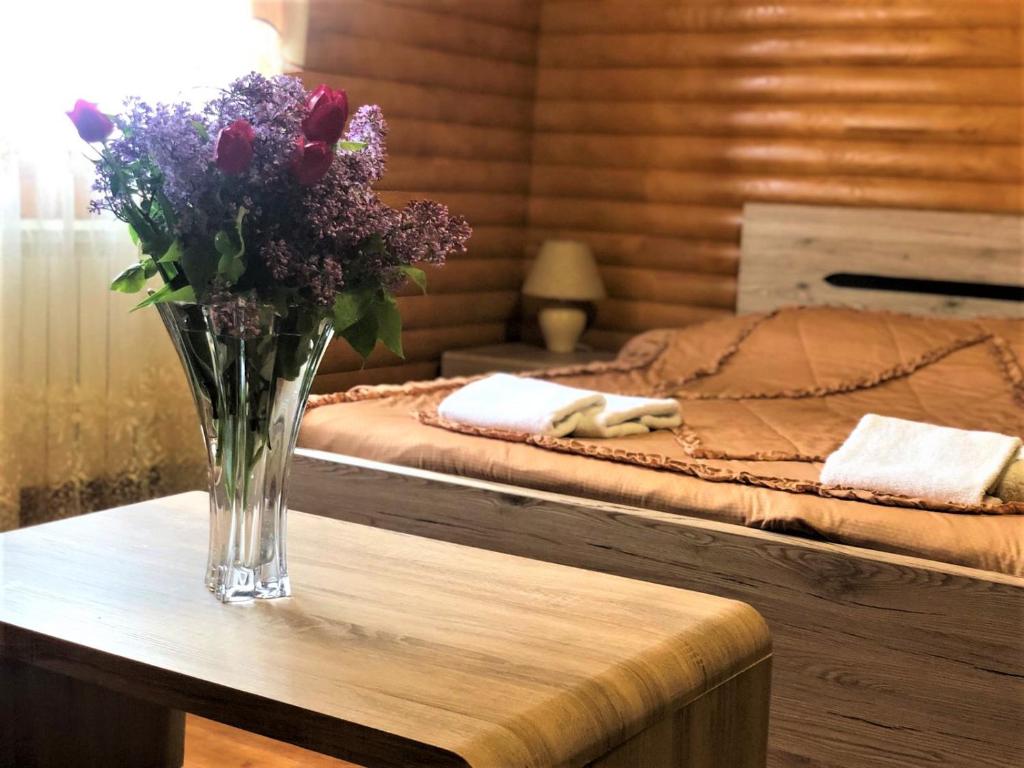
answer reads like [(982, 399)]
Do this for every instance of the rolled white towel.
[(925, 461), (626, 415), (520, 404)]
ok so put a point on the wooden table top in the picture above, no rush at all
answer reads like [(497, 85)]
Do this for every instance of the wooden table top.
[(394, 650)]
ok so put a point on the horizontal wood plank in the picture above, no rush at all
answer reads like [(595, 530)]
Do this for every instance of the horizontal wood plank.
[(694, 221), (514, 14), (470, 275), (782, 156), (868, 15), (647, 251), (982, 124), (372, 57), (789, 250), (455, 174), (430, 103), (978, 85), (421, 28), (658, 186), (422, 345), (483, 208), (924, 663), (435, 310), (468, 142), (980, 47)]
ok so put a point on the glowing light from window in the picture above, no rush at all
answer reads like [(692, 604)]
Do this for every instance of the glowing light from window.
[(52, 53)]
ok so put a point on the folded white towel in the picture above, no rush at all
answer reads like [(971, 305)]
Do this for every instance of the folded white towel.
[(626, 415), (924, 461), (538, 407), (520, 404)]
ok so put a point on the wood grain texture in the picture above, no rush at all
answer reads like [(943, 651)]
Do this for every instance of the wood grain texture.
[(617, 16), (512, 357), (656, 121), (991, 124), (209, 744), (880, 660), (394, 651), (455, 79), (789, 250), (686, 739)]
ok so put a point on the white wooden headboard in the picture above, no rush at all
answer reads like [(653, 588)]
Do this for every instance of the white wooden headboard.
[(881, 258)]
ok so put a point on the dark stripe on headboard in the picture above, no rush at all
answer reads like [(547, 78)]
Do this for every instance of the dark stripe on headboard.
[(916, 285)]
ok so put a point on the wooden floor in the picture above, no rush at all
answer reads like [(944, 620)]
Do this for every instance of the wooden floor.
[(209, 744)]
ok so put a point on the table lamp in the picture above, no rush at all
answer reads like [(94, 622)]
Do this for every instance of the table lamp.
[(565, 274)]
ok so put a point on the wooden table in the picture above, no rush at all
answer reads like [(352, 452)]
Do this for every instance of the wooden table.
[(395, 651), (513, 358)]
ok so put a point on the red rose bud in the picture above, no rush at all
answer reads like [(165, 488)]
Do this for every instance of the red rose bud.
[(92, 125), (233, 154), (328, 111), (310, 161)]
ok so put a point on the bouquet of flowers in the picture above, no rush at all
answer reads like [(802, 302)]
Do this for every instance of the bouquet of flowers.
[(262, 197), (257, 213)]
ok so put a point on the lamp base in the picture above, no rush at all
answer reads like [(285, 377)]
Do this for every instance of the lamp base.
[(562, 327)]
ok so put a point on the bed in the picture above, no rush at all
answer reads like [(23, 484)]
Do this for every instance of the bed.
[(897, 624)]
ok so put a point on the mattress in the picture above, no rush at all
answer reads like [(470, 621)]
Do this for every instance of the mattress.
[(765, 398)]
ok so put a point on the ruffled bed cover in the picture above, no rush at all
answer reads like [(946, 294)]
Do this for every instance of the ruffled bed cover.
[(764, 398)]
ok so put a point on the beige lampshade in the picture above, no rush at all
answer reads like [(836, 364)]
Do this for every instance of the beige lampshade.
[(564, 269)]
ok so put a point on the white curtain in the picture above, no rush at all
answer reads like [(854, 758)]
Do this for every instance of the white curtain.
[(94, 409)]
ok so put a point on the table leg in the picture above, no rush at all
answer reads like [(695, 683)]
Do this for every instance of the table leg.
[(49, 720), (727, 727)]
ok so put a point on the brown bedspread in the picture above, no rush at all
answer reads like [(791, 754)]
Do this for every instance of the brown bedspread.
[(764, 398)]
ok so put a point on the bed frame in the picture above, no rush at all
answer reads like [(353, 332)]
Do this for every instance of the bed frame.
[(881, 660)]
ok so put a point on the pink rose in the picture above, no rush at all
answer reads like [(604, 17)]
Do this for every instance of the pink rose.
[(310, 161), (233, 154), (92, 125), (328, 111)]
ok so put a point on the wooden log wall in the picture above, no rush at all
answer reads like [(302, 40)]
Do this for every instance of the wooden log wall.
[(642, 126), (656, 120), (455, 79)]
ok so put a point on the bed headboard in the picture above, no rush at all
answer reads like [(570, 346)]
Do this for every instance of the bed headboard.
[(881, 258)]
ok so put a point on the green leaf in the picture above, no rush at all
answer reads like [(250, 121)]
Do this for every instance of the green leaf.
[(231, 268), (165, 293), (133, 235), (352, 146), (199, 263), (172, 254), (131, 280), (417, 275), (389, 324), (149, 267), (350, 307), (362, 335), (231, 264), (200, 129), (224, 245)]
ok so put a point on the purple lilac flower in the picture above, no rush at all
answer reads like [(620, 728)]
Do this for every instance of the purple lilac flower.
[(427, 232), (369, 127), (305, 244)]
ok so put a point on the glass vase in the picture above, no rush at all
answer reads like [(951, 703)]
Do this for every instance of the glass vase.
[(250, 371)]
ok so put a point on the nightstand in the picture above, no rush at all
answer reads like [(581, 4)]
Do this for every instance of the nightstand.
[(512, 358)]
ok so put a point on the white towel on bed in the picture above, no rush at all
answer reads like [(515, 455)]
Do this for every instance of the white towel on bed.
[(626, 415), (520, 404), (538, 407), (925, 461)]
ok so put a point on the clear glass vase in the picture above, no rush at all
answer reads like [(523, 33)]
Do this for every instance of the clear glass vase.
[(250, 371)]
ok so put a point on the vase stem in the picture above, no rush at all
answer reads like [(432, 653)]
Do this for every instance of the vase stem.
[(250, 391)]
